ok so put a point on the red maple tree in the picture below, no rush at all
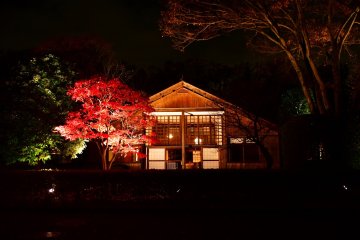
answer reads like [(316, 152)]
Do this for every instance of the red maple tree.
[(112, 115)]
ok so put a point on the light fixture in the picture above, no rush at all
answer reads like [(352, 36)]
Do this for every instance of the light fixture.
[(52, 189), (137, 155), (197, 140)]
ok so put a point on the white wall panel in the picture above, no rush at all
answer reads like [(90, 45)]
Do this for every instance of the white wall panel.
[(210, 164), (156, 154), (210, 154), (156, 164)]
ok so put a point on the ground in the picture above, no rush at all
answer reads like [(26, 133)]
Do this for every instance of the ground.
[(179, 205)]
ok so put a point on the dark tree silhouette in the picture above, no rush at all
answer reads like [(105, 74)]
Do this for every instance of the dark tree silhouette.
[(306, 32)]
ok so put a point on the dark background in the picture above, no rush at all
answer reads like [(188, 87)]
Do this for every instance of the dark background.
[(224, 66), (131, 27)]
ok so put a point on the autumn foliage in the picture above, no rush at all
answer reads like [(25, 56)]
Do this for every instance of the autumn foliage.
[(112, 115)]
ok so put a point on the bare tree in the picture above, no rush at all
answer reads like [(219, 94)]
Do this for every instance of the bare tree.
[(253, 127), (310, 33)]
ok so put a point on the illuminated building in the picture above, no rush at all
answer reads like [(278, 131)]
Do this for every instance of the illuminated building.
[(195, 129)]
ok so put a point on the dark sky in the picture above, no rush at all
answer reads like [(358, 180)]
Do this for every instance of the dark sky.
[(131, 27)]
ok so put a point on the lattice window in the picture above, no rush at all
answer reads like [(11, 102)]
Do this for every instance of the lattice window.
[(203, 130), (167, 130), (218, 123)]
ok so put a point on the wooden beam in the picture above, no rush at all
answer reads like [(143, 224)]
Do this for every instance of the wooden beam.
[(182, 120)]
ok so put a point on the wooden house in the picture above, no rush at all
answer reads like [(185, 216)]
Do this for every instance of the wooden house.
[(195, 129)]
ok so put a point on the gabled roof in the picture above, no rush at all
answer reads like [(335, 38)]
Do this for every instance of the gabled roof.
[(184, 95), (170, 94)]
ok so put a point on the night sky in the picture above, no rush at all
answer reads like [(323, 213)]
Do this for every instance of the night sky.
[(130, 27)]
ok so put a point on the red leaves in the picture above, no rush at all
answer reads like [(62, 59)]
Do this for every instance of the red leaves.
[(111, 112)]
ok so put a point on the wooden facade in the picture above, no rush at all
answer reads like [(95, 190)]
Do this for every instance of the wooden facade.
[(195, 129)]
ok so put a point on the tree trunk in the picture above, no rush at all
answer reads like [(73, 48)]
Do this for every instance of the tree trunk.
[(112, 160), (104, 159), (322, 100), (337, 88), (325, 106), (318, 99), (301, 79), (102, 151)]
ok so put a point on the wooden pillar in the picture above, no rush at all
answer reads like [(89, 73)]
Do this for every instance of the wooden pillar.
[(183, 125), (147, 157)]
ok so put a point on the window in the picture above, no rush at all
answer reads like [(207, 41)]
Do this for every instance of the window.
[(200, 130), (243, 150), (196, 156), (167, 130), (174, 154), (203, 130)]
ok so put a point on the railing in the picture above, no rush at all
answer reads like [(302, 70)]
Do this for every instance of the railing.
[(173, 164)]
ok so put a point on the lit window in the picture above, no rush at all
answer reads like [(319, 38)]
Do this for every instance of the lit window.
[(196, 156), (204, 130), (243, 150), (167, 130)]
